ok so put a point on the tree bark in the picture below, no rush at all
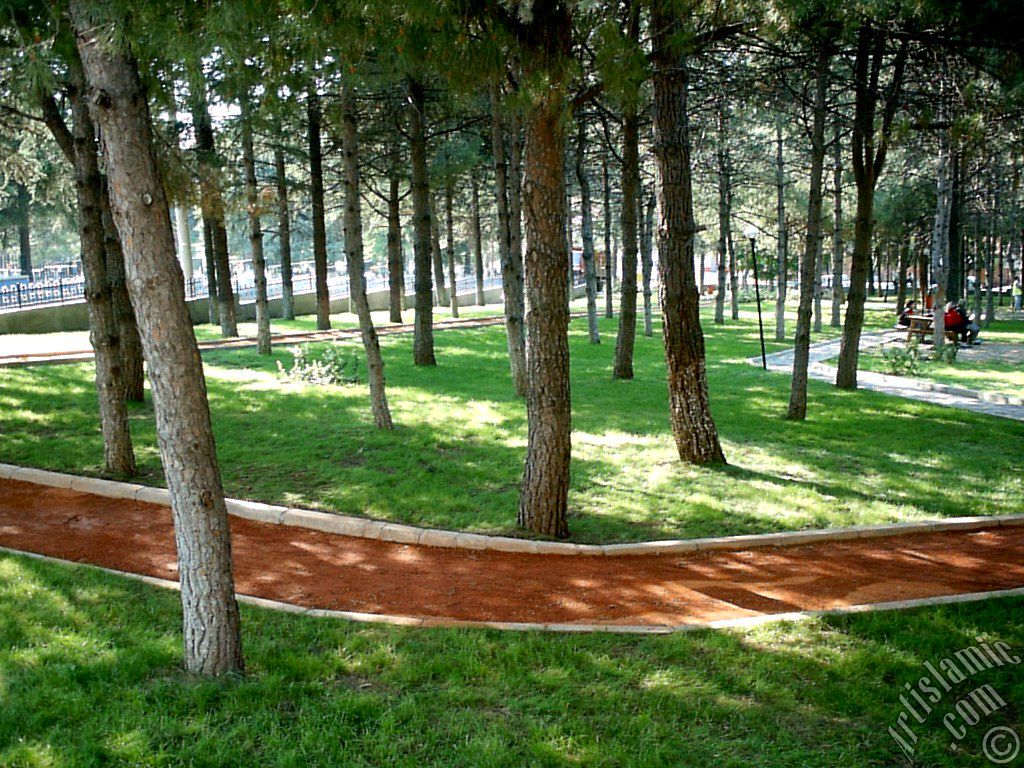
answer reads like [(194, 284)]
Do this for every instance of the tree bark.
[(437, 256), (314, 119), (812, 243), (589, 268), (396, 264), (284, 234), (449, 222), (211, 272), (693, 427), (870, 148), (609, 268), (781, 251), (211, 624), (724, 186), (647, 264), (259, 262), (354, 257), (510, 259), (940, 241), (24, 231), (212, 203), (838, 294), (476, 240), (901, 275), (543, 503), (626, 339), (423, 337), (79, 145)]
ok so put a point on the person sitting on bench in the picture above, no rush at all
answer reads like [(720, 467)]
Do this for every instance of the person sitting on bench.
[(908, 310), (957, 322)]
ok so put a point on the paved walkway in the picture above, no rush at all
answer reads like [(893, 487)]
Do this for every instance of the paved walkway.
[(897, 386), (302, 569)]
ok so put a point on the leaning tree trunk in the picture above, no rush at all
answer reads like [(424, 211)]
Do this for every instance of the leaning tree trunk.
[(284, 234), (354, 257), (812, 243), (626, 339), (396, 264), (511, 259), (838, 295), (252, 200), (647, 264), (212, 204), (184, 432), (314, 119), (476, 240), (423, 335), (543, 503), (589, 269), (79, 147), (781, 251), (449, 225), (693, 427)]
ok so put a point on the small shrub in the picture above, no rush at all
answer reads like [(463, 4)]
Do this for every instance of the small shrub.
[(903, 361), (333, 365), (948, 353)]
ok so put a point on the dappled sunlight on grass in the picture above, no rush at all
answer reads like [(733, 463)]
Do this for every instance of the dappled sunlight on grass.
[(455, 458)]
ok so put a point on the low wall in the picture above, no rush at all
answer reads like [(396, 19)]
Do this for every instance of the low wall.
[(75, 317)]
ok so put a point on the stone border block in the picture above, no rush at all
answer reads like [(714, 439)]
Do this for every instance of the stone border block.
[(432, 537), (400, 534), (150, 495), (254, 510), (42, 477)]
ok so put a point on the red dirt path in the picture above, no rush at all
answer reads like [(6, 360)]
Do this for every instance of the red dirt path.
[(320, 570)]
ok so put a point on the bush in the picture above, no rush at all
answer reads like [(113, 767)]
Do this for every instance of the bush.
[(333, 365), (903, 361), (947, 354)]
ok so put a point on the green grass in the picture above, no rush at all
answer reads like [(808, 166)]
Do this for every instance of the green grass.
[(90, 675), (985, 376), (456, 456)]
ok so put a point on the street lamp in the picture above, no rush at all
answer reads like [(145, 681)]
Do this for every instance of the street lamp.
[(751, 232)]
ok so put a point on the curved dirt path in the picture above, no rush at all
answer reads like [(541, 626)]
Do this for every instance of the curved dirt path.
[(326, 571)]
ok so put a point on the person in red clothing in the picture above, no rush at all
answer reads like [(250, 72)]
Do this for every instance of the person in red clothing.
[(956, 320)]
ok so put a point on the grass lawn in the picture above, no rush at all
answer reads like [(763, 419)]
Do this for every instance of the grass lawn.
[(90, 675), (987, 376), (456, 457)]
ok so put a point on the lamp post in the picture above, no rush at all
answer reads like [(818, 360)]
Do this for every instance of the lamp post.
[(751, 232)]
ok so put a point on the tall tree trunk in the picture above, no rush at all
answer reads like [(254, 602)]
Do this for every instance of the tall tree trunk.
[(589, 268), (626, 339), (901, 275), (734, 269), (354, 258), (211, 272), (212, 203), (259, 262), (940, 240), (396, 262), (870, 148), (284, 234), (609, 267), (647, 264), (723, 212), (956, 275), (476, 240), (812, 243), (515, 199), (184, 235), (838, 294), (185, 436), (693, 427), (314, 120), (510, 258), (24, 231), (437, 256), (423, 336), (449, 225), (822, 265), (543, 503), (79, 147), (782, 247)]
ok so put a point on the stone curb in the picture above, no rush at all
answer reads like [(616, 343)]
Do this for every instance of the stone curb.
[(438, 622), (363, 528)]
